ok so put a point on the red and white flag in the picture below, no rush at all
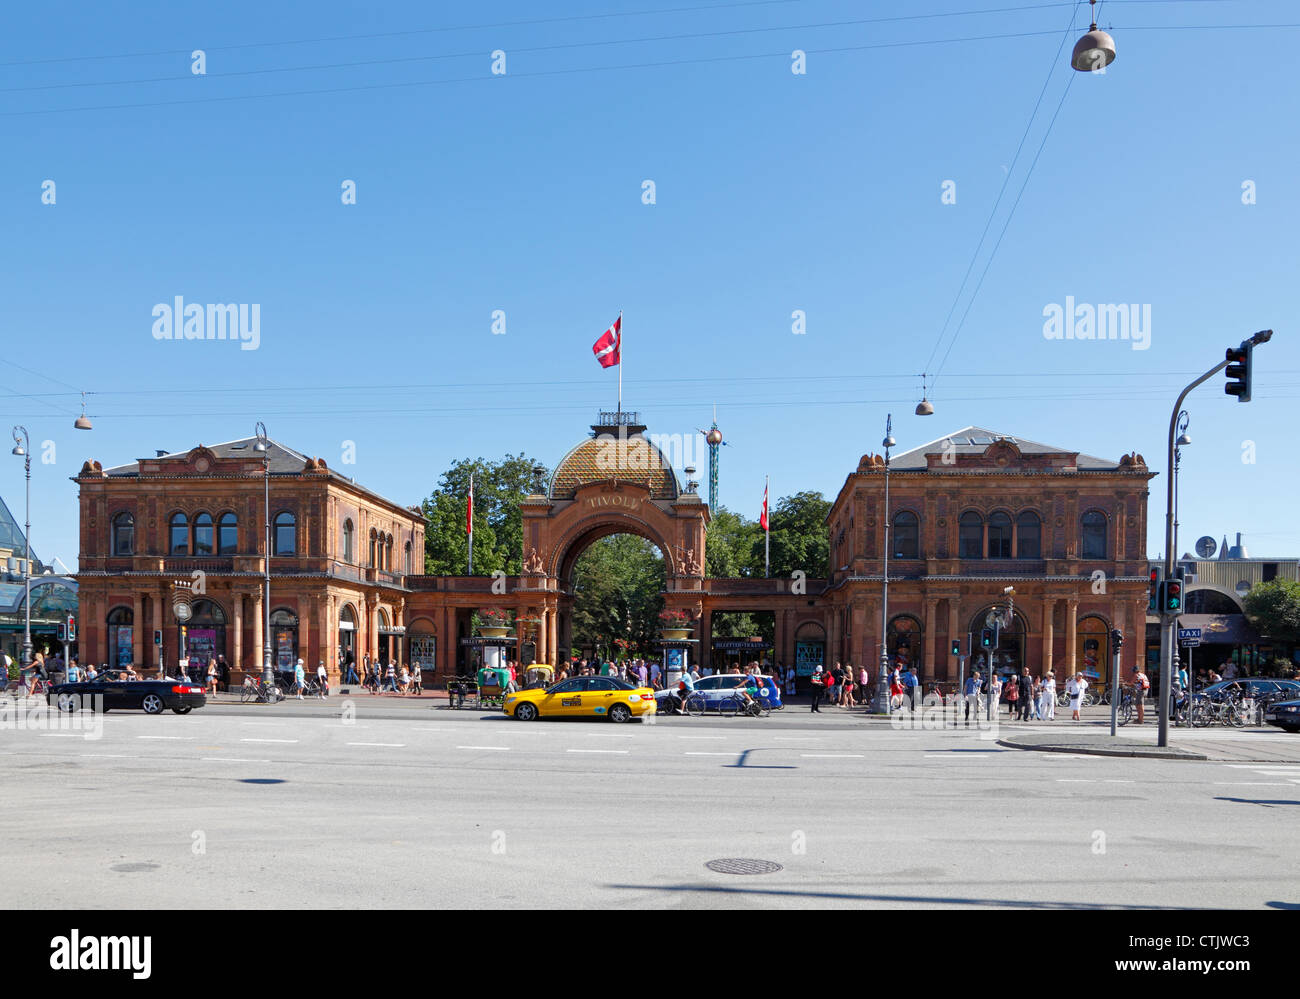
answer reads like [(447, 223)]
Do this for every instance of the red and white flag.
[(469, 507), (607, 347), (762, 520)]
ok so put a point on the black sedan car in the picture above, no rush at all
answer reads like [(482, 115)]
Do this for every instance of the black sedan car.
[(1284, 714), (110, 692)]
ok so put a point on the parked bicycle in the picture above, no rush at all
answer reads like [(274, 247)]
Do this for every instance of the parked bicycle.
[(256, 690)]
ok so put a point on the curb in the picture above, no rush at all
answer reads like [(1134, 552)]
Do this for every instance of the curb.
[(1151, 754)]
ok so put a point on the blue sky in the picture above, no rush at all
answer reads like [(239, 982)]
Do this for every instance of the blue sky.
[(774, 192)]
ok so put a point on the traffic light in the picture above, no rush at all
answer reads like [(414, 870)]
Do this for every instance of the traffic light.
[(1153, 594), (1117, 638), (1238, 371), (956, 648), (63, 633), (157, 637), (72, 628), (1172, 600), (986, 638)]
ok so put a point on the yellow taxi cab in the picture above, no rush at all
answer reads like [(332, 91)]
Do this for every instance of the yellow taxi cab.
[(582, 697)]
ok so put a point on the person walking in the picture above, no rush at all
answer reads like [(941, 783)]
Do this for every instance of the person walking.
[(212, 676), (299, 678), (1047, 698), (818, 683), (1026, 695), (912, 685), (1076, 696), (351, 672), (994, 697), (1011, 695), (390, 677), (323, 680), (864, 680), (1141, 685), (971, 695)]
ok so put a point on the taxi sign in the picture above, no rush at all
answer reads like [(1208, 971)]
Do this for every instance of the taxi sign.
[(1189, 638)]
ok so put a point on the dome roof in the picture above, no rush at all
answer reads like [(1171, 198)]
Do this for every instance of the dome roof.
[(629, 458)]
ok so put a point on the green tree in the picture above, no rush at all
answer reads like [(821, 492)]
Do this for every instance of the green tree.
[(800, 540), (1273, 609), (618, 585), (729, 545), (498, 526)]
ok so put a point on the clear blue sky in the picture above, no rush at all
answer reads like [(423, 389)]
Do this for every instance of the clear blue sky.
[(775, 192)]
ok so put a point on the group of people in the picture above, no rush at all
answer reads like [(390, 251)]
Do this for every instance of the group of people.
[(842, 687), (392, 678)]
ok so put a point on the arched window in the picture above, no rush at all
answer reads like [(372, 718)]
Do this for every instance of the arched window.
[(286, 534), (228, 534), (203, 534), (374, 549), (120, 636), (347, 540), (284, 638), (388, 554), (999, 535), (1093, 540), (906, 543), (123, 534), (407, 560), (1029, 536), (905, 642), (1092, 654), (970, 536), (179, 542)]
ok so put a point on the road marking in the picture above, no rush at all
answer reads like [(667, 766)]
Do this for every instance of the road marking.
[(710, 754), (1075, 780), (795, 738), (1251, 783), (498, 748), (1110, 780), (623, 751), (229, 759), (269, 740), (833, 756), (61, 735), (110, 756), (1253, 766), (718, 737), (180, 737), (390, 745), (963, 756), (609, 735)]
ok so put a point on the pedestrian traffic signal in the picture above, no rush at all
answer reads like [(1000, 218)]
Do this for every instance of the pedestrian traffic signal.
[(1238, 371), (1172, 600), (956, 648), (1117, 638), (63, 633), (157, 637), (1153, 593), (72, 627), (986, 638)]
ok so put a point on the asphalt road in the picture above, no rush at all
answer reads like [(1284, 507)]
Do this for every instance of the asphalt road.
[(408, 804)]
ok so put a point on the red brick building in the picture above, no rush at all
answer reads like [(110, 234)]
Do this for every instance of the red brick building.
[(339, 553)]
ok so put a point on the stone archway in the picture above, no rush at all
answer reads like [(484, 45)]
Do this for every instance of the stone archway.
[(615, 482)]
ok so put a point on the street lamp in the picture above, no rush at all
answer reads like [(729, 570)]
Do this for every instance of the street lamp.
[(882, 683), (1095, 50), (263, 447), (1183, 441), (23, 449)]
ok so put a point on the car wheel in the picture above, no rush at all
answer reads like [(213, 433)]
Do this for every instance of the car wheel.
[(68, 702), (620, 713), (183, 711), (152, 704), (527, 711)]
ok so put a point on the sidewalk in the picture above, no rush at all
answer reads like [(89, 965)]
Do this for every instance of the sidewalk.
[(353, 691), (1251, 745)]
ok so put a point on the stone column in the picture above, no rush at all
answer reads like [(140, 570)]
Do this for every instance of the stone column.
[(1071, 632), (554, 640), (930, 625), (236, 659), (159, 603), (955, 632), (706, 639), (255, 608), (328, 652), (1049, 606), (779, 639), (140, 653)]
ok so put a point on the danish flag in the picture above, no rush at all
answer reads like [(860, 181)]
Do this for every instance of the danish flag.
[(606, 348), (762, 520)]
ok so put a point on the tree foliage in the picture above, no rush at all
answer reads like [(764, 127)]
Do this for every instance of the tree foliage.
[(1273, 609), (618, 588), (499, 486)]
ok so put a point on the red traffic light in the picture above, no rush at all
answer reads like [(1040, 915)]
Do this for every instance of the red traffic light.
[(1238, 371)]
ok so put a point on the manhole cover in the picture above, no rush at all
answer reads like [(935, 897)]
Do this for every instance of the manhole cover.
[(742, 865), (134, 868)]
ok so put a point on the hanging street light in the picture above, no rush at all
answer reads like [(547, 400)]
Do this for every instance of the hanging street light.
[(1095, 50)]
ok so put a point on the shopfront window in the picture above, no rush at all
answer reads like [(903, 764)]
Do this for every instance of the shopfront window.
[(205, 637), (284, 638), (905, 642), (1092, 657), (120, 621)]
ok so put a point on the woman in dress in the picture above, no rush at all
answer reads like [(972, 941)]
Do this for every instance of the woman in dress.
[(212, 676), (1076, 695)]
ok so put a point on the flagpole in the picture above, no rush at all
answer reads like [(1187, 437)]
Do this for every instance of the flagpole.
[(619, 342), (470, 523), (767, 532)]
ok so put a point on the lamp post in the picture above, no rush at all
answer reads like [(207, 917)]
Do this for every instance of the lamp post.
[(23, 449), (263, 447), (882, 682), (1183, 441)]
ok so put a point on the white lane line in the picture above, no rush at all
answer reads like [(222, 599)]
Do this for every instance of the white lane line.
[(229, 759), (1253, 766), (1110, 780), (1252, 783), (388, 745), (795, 738), (710, 754), (958, 756), (179, 737), (622, 751), (109, 756), (501, 749), (609, 735), (269, 740), (1075, 780), (61, 735), (833, 756), (717, 737)]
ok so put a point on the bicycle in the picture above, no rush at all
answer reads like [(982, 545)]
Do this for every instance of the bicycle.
[(255, 690), (736, 704)]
